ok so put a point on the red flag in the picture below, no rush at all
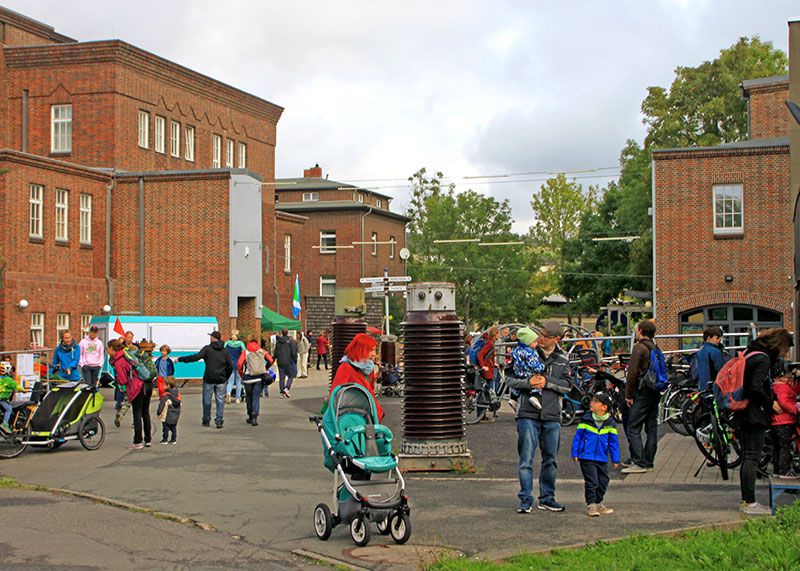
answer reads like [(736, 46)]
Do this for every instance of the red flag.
[(119, 329)]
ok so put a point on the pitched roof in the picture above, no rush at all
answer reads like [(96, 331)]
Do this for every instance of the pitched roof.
[(320, 184), (328, 205), (749, 84)]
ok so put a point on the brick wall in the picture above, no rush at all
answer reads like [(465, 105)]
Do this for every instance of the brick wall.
[(320, 312), (54, 278), (691, 263), (769, 116), (294, 226), (21, 31)]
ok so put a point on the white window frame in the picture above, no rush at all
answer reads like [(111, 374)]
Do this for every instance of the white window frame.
[(175, 139), (327, 282), (310, 197), (85, 218), (161, 134), (374, 239), (62, 324), (721, 199), (360, 198), (216, 151), (37, 329), (35, 211), (229, 153), (287, 253), (62, 215), (325, 236), (189, 139), (378, 203), (144, 129), (242, 156), (61, 128), (86, 320), (392, 243)]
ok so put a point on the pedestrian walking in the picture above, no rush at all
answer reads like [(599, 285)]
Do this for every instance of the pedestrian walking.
[(218, 370), (139, 398), (164, 368), (253, 366), (763, 353), (642, 402), (540, 427), (322, 349), (235, 348), (169, 411), (596, 442), (92, 356), (286, 356), (66, 358), (303, 348)]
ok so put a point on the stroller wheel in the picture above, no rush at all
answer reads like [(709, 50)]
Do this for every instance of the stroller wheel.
[(359, 530), (400, 528), (383, 525), (323, 521), (91, 432)]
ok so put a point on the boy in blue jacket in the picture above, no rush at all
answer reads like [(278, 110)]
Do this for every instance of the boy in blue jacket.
[(595, 441)]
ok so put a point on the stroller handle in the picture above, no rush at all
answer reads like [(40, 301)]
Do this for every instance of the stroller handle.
[(315, 419)]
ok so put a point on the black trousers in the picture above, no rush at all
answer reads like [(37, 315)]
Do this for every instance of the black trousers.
[(166, 429), (141, 417), (752, 446), (782, 448), (643, 414), (595, 480), (324, 358)]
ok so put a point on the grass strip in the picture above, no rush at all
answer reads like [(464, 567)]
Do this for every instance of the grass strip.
[(771, 543)]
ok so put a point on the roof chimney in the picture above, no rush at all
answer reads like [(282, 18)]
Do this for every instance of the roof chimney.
[(313, 172)]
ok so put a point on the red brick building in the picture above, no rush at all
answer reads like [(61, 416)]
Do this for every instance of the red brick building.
[(723, 225), (127, 180), (338, 234)]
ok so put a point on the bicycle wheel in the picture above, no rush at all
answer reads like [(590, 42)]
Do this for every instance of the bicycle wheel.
[(702, 432), (567, 412), (12, 445), (475, 406), (690, 410), (673, 411), (720, 446)]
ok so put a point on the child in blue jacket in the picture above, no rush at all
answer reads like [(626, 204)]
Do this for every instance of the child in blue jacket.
[(595, 441)]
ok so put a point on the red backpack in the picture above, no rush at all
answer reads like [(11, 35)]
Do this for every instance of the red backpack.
[(729, 386)]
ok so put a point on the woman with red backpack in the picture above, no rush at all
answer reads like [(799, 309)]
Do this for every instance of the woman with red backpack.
[(755, 419)]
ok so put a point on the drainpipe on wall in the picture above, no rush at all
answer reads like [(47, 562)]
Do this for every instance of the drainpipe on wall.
[(109, 280), (141, 245), (275, 258), (363, 239), (653, 222), (24, 120)]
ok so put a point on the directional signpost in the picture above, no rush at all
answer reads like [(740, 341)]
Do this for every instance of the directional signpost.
[(385, 285)]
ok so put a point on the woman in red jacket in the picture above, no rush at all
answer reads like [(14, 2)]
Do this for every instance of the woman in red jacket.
[(126, 376), (486, 356), (358, 366), (322, 349), (784, 425)]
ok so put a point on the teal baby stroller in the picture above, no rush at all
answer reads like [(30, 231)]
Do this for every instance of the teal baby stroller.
[(367, 485)]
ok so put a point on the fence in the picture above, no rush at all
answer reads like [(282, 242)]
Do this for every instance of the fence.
[(29, 379)]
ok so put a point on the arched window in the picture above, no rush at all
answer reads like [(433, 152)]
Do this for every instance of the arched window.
[(731, 318)]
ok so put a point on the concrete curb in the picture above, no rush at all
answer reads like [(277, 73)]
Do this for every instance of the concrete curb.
[(318, 557)]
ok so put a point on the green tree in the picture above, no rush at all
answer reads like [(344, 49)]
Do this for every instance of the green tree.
[(559, 206), (703, 106), (491, 282)]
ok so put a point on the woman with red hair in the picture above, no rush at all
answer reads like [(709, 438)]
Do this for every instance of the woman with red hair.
[(358, 366)]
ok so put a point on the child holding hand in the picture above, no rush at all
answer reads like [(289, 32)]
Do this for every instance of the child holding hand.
[(594, 443)]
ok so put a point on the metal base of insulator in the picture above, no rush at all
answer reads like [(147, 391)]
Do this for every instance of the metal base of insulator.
[(435, 456)]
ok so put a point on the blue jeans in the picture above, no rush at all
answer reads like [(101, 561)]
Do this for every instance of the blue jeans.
[(119, 397), (546, 435), (252, 392), (6, 408), (235, 379), (218, 390), (284, 378)]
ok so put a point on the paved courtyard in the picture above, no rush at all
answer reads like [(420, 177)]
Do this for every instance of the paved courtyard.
[(259, 486)]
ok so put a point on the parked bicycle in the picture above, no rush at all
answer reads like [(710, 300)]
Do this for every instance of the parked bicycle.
[(714, 431)]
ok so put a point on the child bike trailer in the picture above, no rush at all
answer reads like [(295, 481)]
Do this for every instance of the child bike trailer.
[(70, 411)]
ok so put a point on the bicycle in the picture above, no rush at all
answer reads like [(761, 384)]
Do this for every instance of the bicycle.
[(714, 432), (482, 399), (670, 407), (13, 443)]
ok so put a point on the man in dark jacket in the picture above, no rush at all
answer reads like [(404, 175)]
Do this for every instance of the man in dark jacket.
[(642, 402), (541, 427), (286, 356), (709, 358), (218, 369)]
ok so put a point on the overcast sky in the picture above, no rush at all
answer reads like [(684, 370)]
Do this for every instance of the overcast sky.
[(374, 89)]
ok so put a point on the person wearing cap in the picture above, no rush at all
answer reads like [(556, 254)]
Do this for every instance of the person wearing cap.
[(594, 443), (92, 356), (215, 378), (540, 426)]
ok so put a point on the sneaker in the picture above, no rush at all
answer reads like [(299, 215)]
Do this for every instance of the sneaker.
[(173, 441), (5, 428), (754, 509), (163, 442), (592, 510), (789, 476), (206, 423), (535, 403), (287, 395), (238, 401), (635, 469), (249, 420), (626, 463), (135, 446), (488, 420), (227, 399), (551, 506), (219, 424), (117, 419), (603, 510), (148, 444), (524, 509)]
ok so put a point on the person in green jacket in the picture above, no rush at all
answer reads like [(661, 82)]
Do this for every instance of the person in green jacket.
[(7, 387), (235, 347)]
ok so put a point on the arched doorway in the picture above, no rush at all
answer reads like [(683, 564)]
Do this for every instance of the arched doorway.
[(732, 318)]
